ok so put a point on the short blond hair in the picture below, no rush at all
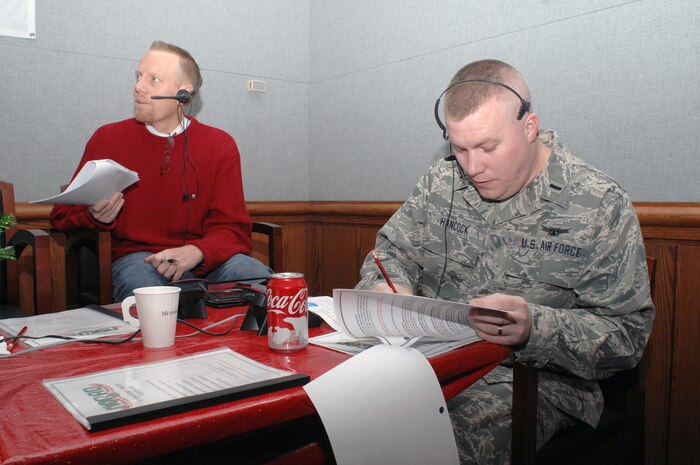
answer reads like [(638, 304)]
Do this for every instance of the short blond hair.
[(190, 68)]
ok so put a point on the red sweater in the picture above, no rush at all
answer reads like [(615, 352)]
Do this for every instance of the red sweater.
[(155, 216)]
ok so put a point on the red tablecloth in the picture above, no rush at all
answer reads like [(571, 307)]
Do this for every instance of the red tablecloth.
[(36, 429)]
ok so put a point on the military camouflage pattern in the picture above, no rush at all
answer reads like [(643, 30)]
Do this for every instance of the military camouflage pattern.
[(569, 243), (482, 422)]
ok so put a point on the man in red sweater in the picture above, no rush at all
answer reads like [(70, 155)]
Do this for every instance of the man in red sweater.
[(186, 216)]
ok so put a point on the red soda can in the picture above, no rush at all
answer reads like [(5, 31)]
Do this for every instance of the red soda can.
[(287, 312)]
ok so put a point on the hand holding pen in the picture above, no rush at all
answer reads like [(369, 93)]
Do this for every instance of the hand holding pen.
[(381, 268)]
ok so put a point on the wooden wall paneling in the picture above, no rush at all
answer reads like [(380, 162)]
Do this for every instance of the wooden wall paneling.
[(341, 250), (327, 241), (261, 242), (299, 238), (658, 356), (296, 251), (667, 220), (367, 238), (684, 421), (311, 259), (336, 257)]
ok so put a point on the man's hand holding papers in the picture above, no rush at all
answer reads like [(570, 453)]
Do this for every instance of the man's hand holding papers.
[(97, 180)]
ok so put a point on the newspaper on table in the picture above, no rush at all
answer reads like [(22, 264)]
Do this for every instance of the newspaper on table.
[(81, 323)]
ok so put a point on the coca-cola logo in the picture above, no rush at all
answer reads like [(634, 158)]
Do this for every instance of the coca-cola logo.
[(290, 304)]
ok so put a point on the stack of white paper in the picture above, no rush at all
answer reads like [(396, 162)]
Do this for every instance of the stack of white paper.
[(97, 180)]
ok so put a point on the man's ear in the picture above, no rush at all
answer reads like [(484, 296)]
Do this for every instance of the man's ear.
[(531, 127)]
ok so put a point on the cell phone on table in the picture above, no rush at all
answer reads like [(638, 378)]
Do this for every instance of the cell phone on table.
[(225, 298)]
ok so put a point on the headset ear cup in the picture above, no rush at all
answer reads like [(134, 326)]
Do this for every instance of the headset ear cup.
[(437, 116), (183, 96)]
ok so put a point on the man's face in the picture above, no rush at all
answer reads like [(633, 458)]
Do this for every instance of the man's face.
[(158, 73), (493, 149)]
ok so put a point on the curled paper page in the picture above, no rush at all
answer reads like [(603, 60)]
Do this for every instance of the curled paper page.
[(385, 405), (96, 180), (379, 314)]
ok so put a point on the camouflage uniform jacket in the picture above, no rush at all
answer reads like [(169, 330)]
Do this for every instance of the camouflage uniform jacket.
[(569, 243)]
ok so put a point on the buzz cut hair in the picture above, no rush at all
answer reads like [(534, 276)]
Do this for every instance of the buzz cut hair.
[(463, 100)]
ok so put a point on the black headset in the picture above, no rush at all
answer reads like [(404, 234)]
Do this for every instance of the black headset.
[(524, 104), (183, 96)]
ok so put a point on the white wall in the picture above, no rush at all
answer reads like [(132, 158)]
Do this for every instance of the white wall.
[(352, 84), (616, 79), (78, 74)]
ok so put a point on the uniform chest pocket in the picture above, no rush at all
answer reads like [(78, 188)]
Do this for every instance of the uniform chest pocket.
[(545, 280), (562, 272)]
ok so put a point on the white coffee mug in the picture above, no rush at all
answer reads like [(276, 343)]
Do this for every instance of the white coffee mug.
[(156, 307)]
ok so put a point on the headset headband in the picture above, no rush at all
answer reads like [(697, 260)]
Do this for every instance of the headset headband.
[(524, 104)]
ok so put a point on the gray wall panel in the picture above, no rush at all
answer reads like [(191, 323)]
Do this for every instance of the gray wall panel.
[(348, 114), (615, 79), (79, 72), (365, 34)]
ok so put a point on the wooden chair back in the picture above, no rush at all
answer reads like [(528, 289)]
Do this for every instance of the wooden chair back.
[(82, 268), (25, 283), (82, 263), (268, 245)]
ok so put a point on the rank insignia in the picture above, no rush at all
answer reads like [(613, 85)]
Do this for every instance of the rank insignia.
[(555, 231)]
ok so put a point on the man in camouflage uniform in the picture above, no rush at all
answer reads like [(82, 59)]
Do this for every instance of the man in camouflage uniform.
[(514, 221)]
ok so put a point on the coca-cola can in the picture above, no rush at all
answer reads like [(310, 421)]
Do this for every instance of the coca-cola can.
[(287, 312)]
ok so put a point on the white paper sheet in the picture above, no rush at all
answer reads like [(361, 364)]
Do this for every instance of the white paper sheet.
[(323, 307), (96, 180), (18, 18), (385, 406), (343, 343)]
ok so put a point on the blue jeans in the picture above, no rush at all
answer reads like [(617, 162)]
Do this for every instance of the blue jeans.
[(130, 272)]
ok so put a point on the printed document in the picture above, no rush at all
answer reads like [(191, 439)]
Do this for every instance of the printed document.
[(133, 393), (367, 318), (80, 323), (349, 345), (96, 180)]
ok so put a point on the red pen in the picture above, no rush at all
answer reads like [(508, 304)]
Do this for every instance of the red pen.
[(11, 345), (381, 268)]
